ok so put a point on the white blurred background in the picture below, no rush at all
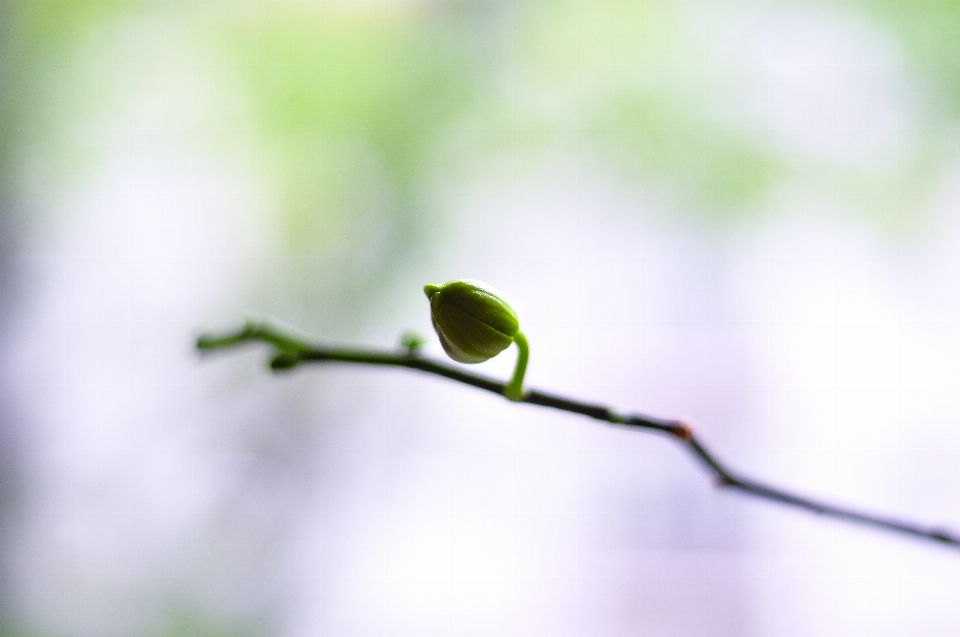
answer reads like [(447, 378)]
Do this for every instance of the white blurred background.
[(743, 214)]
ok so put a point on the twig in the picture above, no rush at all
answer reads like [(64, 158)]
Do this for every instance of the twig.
[(290, 351)]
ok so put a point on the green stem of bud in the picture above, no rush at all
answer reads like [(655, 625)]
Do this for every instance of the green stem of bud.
[(514, 389)]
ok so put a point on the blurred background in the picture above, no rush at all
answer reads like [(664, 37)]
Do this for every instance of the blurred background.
[(744, 214)]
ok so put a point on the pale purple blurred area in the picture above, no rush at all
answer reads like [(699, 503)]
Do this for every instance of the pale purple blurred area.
[(153, 492)]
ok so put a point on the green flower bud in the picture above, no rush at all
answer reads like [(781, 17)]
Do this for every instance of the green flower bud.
[(474, 324)]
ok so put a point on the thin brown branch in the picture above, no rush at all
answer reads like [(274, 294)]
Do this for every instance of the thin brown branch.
[(290, 351)]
